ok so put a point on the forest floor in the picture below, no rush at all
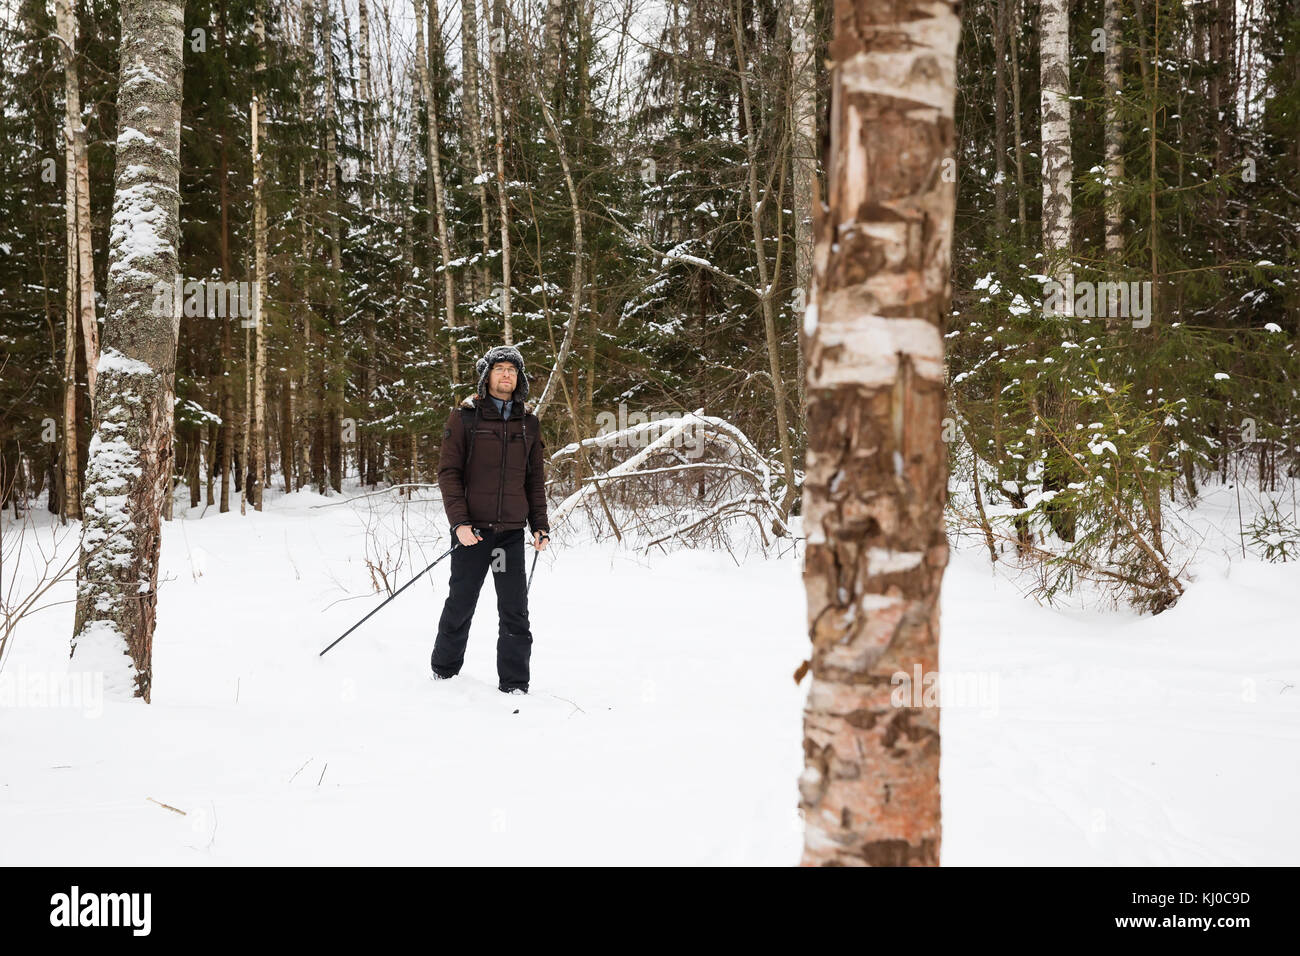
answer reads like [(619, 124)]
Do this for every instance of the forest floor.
[(663, 725)]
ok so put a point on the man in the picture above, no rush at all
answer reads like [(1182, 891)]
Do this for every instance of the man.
[(492, 481)]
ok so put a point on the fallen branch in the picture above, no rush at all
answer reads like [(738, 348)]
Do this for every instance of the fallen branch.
[(731, 506)]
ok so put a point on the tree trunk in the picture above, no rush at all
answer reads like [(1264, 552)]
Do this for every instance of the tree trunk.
[(129, 471), (66, 25), (259, 276), (366, 440), (1113, 81), (227, 345), (331, 140), (227, 413), (1021, 218), (1000, 26), (760, 256), (331, 391), (308, 398), (876, 467), (86, 265), (367, 107), (209, 462), (552, 47), (438, 212), (246, 424), (195, 449), (71, 470), (1058, 167), (579, 251), (77, 173), (474, 130), (307, 404), (498, 118), (803, 150)]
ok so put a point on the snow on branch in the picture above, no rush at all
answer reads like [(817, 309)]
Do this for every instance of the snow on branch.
[(674, 478), (662, 441)]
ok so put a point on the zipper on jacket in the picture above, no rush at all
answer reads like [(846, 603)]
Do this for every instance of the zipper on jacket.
[(501, 485)]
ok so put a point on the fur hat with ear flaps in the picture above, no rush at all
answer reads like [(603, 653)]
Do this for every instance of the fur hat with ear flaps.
[(502, 353)]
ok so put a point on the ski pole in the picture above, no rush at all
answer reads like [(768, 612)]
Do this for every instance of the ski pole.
[(531, 570), (545, 537), (454, 544)]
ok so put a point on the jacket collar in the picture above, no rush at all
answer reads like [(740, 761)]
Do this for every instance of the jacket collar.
[(488, 408)]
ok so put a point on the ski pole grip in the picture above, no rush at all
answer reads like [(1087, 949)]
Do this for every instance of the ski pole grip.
[(455, 539)]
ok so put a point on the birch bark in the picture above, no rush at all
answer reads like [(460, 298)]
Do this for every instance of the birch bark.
[(876, 466)]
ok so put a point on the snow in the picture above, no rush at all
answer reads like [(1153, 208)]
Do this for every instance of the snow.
[(1124, 740), (140, 73), (137, 229), (102, 655), (662, 727), (1018, 305), (627, 737), (111, 360), (810, 319), (129, 134), (688, 259)]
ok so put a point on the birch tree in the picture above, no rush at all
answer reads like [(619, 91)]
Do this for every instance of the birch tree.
[(128, 474), (876, 467), (79, 174), (1113, 79), (72, 119), (1054, 104), (803, 148), (80, 264), (367, 104), (553, 43), (474, 130), (495, 46)]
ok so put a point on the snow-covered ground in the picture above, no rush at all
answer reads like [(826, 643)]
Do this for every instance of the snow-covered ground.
[(663, 725)]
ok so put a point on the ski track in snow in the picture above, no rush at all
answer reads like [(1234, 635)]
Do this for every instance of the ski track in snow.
[(662, 726)]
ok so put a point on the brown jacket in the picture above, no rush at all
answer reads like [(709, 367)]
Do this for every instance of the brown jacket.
[(502, 484)]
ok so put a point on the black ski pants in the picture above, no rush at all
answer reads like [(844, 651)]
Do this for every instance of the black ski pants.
[(502, 552)]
